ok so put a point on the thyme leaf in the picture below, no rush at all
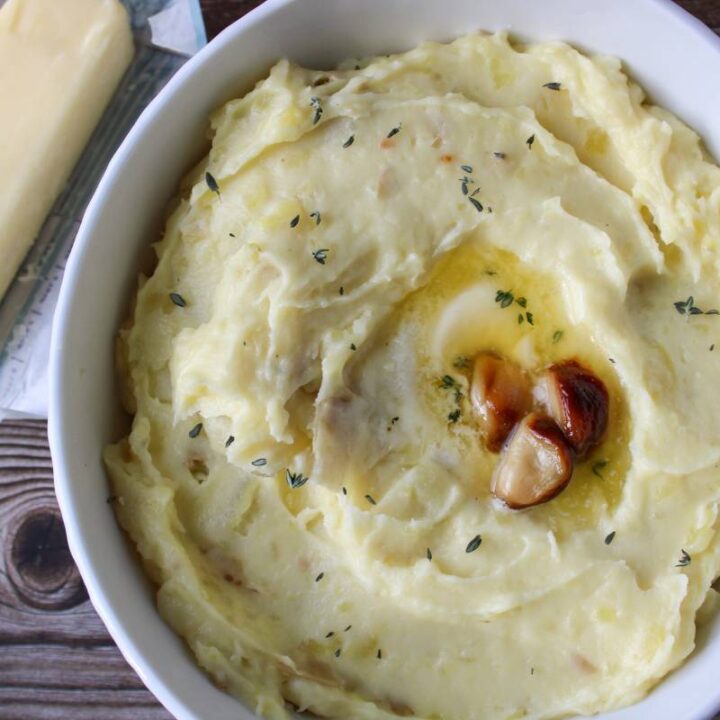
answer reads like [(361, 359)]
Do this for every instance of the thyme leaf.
[(688, 307), (474, 544), (553, 86), (504, 298), (317, 216), (557, 336), (476, 203), (316, 105), (259, 462), (370, 499), (212, 183), (349, 142), (320, 255), (394, 131), (597, 468), (178, 299), (684, 560), (428, 554), (454, 416), (320, 577), (295, 480), (230, 440), (529, 142), (196, 430), (609, 537), (294, 222)]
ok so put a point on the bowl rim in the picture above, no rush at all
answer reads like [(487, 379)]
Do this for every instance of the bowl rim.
[(59, 435)]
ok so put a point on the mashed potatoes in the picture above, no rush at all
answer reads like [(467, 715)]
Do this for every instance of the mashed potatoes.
[(304, 479)]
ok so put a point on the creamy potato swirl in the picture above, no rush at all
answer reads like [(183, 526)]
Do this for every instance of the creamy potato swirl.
[(303, 479)]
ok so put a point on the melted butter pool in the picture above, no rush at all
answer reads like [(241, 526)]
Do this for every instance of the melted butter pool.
[(479, 298)]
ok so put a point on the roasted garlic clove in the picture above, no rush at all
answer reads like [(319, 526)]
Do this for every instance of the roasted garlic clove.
[(536, 463), (500, 396), (578, 402)]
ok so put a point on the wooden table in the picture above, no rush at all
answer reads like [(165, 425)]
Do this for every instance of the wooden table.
[(56, 658)]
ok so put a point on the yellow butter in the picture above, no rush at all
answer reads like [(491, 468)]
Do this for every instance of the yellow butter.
[(61, 62)]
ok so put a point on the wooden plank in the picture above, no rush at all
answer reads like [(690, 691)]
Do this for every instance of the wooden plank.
[(218, 14), (57, 661)]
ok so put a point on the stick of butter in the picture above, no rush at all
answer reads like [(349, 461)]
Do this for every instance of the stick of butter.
[(60, 62)]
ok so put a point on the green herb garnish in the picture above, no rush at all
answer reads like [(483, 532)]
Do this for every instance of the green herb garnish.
[(379, 654), (685, 559), (394, 131), (330, 634), (428, 554), (315, 104), (461, 363), (320, 255), (259, 462), (295, 480), (317, 216), (320, 577), (474, 544), (230, 440), (500, 155), (370, 499), (609, 537), (347, 628), (337, 652), (454, 416), (597, 468), (353, 347), (504, 297), (349, 141), (476, 203), (530, 142), (688, 307), (553, 86), (557, 336), (466, 168), (342, 290), (294, 222), (212, 183), (196, 430), (530, 318), (178, 299)]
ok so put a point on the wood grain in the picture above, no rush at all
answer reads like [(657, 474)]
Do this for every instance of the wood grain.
[(57, 661)]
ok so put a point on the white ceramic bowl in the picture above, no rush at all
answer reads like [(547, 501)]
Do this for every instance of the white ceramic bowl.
[(673, 56)]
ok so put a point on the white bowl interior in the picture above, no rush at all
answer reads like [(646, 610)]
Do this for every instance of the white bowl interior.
[(673, 56)]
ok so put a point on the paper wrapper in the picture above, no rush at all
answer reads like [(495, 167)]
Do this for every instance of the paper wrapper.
[(166, 33)]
